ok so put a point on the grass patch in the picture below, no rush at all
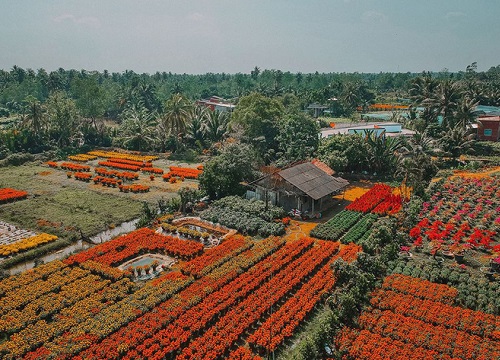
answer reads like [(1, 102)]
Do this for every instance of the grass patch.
[(62, 210), (315, 331)]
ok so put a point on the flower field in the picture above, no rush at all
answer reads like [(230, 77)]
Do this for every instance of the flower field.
[(355, 221), (9, 195), (409, 316), (462, 214), (217, 306)]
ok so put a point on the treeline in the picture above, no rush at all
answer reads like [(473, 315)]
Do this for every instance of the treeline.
[(104, 94)]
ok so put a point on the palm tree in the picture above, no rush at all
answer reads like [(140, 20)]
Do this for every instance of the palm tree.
[(465, 113), (456, 141), (34, 116), (444, 100), (195, 129), (216, 125), (422, 88), (137, 128), (177, 114), (383, 151)]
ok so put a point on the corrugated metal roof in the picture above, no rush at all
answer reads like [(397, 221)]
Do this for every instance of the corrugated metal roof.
[(312, 180)]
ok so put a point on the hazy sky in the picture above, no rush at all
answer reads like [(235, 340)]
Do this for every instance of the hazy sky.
[(199, 36)]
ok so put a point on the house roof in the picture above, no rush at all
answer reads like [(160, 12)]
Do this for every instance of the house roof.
[(312, 180), (322, 166)]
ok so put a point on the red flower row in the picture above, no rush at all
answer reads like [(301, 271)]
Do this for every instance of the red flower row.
[(113, 173), (146, 326), (186, 173), (75, 167), (230, 327), (152, 170), (8, 195), (121, 166), (142, 164), (83, 176), (127, 246), (370, 199), (420, 288), (282, 324)]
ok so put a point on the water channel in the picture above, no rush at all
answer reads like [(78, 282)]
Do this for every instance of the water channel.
[(103, 236)]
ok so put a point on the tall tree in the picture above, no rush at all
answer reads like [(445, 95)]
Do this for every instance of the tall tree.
[(259, 115), (63, 120), (137, 129), (176, 115), (298, 137), (216, 125), (224, 173)]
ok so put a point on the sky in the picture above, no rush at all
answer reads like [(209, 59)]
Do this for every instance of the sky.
[(231, 36)]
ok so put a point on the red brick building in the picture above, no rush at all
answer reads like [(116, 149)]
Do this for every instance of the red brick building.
[(488, 128)]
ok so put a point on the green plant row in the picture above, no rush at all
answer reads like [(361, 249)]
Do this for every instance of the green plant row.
[(473, 292), (334, 228), (253, 207), (243, 222), (360, 231)]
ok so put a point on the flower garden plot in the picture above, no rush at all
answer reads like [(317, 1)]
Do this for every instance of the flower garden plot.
[(334, 228), (121, 155), (136, 332), (186, 173), (282, 324), (96, 312), (452, 221), (368, 201), (129, 246), (9, 195), (404, 316)]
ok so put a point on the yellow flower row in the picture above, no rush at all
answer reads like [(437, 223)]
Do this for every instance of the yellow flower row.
[(19, 298), (40, 332), (26, 244), (26, 278), (117, 155), (111, 318), (82, 157), (51, 303)]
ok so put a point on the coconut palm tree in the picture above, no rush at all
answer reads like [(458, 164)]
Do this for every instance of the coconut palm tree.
[(456, 141), (444, 100), (216, 125), (34, 116), (383, 152), (137, 130), (465, 113), (177, 114), (195, 129)]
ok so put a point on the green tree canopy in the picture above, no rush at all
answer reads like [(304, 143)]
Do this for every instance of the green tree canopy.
[(259, 117), (224, 173), (298, 137)]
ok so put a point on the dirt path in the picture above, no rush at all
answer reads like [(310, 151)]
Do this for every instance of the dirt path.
[(299, 229)]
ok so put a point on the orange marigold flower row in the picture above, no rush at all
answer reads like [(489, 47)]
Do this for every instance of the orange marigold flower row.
[(9, 195)]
